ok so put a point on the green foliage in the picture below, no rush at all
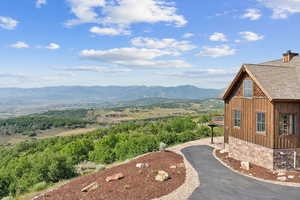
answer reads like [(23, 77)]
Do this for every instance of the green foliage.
[(204, 119), (32, 165), (28, 125), (73, 114), (103, 152), (40, 186)]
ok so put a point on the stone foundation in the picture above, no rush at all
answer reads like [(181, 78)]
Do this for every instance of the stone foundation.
[(249, 152), (274, 159)]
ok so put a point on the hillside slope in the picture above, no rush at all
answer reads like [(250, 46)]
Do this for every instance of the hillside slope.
[(80, 94)]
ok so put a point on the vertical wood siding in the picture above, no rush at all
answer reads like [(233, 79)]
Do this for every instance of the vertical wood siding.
[(249, 107)]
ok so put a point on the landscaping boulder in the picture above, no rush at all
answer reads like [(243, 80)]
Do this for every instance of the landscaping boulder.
[(245, 165), (291, 177), (114, 177), (281, 174), (162, 176), (223, 151), (173, 167), (100, 167), (142, 165), (162, 146), (181, 165), (282, 178), (90, 187)]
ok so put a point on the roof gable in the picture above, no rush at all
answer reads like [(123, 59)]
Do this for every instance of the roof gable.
[(236, 83)]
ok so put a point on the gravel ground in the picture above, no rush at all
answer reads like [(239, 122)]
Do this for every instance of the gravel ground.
[(137, 184)]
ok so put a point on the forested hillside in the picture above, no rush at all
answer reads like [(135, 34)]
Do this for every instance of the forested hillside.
[(28, 125)]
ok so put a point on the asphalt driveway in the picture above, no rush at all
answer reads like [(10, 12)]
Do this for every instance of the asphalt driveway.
[(220, 183)]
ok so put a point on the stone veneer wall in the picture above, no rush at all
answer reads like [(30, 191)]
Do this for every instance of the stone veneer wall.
[(274, 159), (249, 152), (285, 159)]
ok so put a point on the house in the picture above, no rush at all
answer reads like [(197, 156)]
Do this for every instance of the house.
[(262, 114)]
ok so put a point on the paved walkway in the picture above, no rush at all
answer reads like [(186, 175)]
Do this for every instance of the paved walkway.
[(220, 183)]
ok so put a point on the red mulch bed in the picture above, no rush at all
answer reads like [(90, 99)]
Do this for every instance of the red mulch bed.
[(138, 184), (257, 171)]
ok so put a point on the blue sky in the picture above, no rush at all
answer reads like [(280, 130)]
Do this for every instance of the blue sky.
[(140, 42)]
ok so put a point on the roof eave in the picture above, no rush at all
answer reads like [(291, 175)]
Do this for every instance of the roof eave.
[(230, 87)]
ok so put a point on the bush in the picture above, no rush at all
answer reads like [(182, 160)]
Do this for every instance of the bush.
[(168, 138), (60, 169), (104, 150), (186, 136), (203, 131), (40, 186)]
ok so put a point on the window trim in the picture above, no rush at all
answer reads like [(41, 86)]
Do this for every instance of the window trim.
[(244, 88), (234, 118), (265, 124), (294, 124)]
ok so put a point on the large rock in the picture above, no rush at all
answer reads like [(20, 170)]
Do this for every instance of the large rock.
[(114, 177), (92, 186), (142, 165), (291, 176), (281, 174), (245, 165), (162, 176), (282, 178)]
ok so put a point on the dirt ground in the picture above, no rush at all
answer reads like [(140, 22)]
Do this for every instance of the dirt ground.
[(258, 171), (138, 184)]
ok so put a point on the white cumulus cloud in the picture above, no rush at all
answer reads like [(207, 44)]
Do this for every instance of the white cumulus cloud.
[(282, 8), (217, 51), (8, 23), (40, 3), (124, 13), (52, 46), (123, 54), (134, 57), (85, 11), (252, 14), (251, 36), (20, 45), (108, 31), (90, 68), (218, 37), (167, 43), (188, 35)]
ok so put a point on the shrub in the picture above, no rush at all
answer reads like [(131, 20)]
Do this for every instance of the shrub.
[(40, 186), (60, 169), (203, 131), (168, 138), (104, 150), (186, 136)]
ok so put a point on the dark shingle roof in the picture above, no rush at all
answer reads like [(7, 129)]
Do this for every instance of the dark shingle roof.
[(279, 80)]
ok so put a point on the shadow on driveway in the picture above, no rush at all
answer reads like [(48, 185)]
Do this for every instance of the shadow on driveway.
[(220, 183)]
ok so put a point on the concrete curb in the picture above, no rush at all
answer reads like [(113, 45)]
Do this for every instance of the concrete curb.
[(255, 178)]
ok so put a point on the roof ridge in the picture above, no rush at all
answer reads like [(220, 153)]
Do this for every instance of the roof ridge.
[(270, 65)]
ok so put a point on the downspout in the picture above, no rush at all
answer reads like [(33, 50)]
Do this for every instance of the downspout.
[(295, 159)]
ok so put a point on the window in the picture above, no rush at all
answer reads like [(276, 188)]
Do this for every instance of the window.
[(287, 124), (248, 88), (237, 118), (260, 122)]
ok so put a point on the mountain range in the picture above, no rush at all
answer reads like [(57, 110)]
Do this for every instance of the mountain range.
[(99, 94)]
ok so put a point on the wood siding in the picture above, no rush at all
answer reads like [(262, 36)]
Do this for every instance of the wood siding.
[(285, 142), (249, 107)]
